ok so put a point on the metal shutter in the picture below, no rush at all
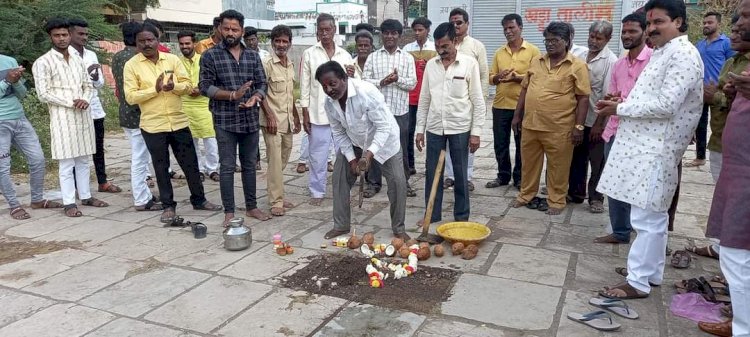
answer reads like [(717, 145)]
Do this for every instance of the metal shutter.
[(486, 23)]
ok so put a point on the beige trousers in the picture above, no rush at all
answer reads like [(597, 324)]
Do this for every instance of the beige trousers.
[(278, 148)]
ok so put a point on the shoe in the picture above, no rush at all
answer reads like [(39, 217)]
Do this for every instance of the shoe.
[(495, 183), (301, 168), (334, 233), (330, 167), (610, 239), (448, 183), (718, 329), (471, 186), (412, 171)]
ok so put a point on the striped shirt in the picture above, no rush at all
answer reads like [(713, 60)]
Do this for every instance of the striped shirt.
[(380, 64)]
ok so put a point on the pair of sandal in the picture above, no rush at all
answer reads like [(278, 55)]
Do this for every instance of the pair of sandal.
[(19, 213), (715, 291), (72, 209), (539, 204), (601, 319)]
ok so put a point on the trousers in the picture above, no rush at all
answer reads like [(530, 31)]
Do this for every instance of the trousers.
[(208, 159), (20, 133), (278, 149), (735, 264), (344, 178), (320, 142), (229, 143), (139, 167), (70, 184)]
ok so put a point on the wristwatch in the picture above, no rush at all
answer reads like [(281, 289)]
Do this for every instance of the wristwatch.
[(579, 127)]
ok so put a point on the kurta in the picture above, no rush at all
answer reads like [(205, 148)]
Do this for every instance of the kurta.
[(58, 82), (196, 108), (729, 220), (657, 123)]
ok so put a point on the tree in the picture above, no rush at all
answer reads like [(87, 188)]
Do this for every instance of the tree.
[(23, 32), (128, 7), (726, 8)]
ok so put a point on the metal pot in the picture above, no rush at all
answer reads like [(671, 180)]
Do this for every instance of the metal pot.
[(237, 236)]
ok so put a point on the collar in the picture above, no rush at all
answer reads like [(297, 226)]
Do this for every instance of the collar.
[(335, 50), (439, 60), (142, 58), (426, 44), (276, 59), (721, 37), (673, 42), (195, 58), (382, 49), (645, 54), (351, 91), (74, 51), (568, 57), (524, 45), (603, 53), (221, 45)]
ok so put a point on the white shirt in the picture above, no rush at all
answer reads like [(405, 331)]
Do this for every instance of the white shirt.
[(312, 96), (474, 48), (657, 123), (367, 123), (381, 64), (451, 100), (600, 73), (579, 51), (264, 54), (89, 58), (414, 46)]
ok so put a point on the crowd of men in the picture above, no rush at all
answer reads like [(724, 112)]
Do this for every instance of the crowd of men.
[(629, 119)]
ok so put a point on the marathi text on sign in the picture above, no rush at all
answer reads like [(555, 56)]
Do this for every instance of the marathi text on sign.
[(586, 12)]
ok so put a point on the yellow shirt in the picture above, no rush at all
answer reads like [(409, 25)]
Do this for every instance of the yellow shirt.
[(196, 108), (160, 111), (551, 93), (204, 45), (506, 94), (280, 94)]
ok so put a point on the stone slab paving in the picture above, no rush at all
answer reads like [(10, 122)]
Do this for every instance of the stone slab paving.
[(123, 274)]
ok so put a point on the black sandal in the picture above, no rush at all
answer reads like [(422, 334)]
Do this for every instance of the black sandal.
[(543, 205), (533, 204)]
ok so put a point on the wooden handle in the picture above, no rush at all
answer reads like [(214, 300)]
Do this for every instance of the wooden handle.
[(431, 202)]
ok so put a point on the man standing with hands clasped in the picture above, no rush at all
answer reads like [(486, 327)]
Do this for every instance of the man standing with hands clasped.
[(656, 124), (361, 122), (228, 73), (163, 122)]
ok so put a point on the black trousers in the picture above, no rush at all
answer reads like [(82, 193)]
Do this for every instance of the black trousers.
[(501, 131), (228, 143), (701, 134), (101, 175), (586, 153), (410, 140), (181, 142)]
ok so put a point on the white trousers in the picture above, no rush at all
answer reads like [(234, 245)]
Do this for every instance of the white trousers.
[(449, 166), (208, 159), (735, 264), (139, 167), (714, 160), (646, 256), (304, 150), (69, 185), (320, 142)]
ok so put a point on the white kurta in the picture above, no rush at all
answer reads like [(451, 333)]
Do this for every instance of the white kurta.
[(58, 82), (656, 125)]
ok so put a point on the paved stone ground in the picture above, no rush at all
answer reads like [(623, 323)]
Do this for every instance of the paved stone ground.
[(124, 275)]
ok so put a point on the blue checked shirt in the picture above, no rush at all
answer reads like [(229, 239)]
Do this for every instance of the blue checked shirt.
[(221, 71)]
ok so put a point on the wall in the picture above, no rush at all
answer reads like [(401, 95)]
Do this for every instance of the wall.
[(256, 9), (188, 11)]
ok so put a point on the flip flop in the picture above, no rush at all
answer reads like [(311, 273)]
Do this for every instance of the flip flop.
[(599, 320), (681, 259), (533, 204), (618, 307), (630, 292), (706, 251), (543, 205)]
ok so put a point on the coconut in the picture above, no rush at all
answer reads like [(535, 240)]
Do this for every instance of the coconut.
[(423, 253), (439, 250), (404, 252), (470, 252), (390, 250), (424, 244), (354, 242), (457, 248), (397, 243), (411, 242), (368, 238), (281, 251)]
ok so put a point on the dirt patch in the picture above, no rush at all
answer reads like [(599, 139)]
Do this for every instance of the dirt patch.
[(344, 276), (20, 275), (12, 251), (149, 265)]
